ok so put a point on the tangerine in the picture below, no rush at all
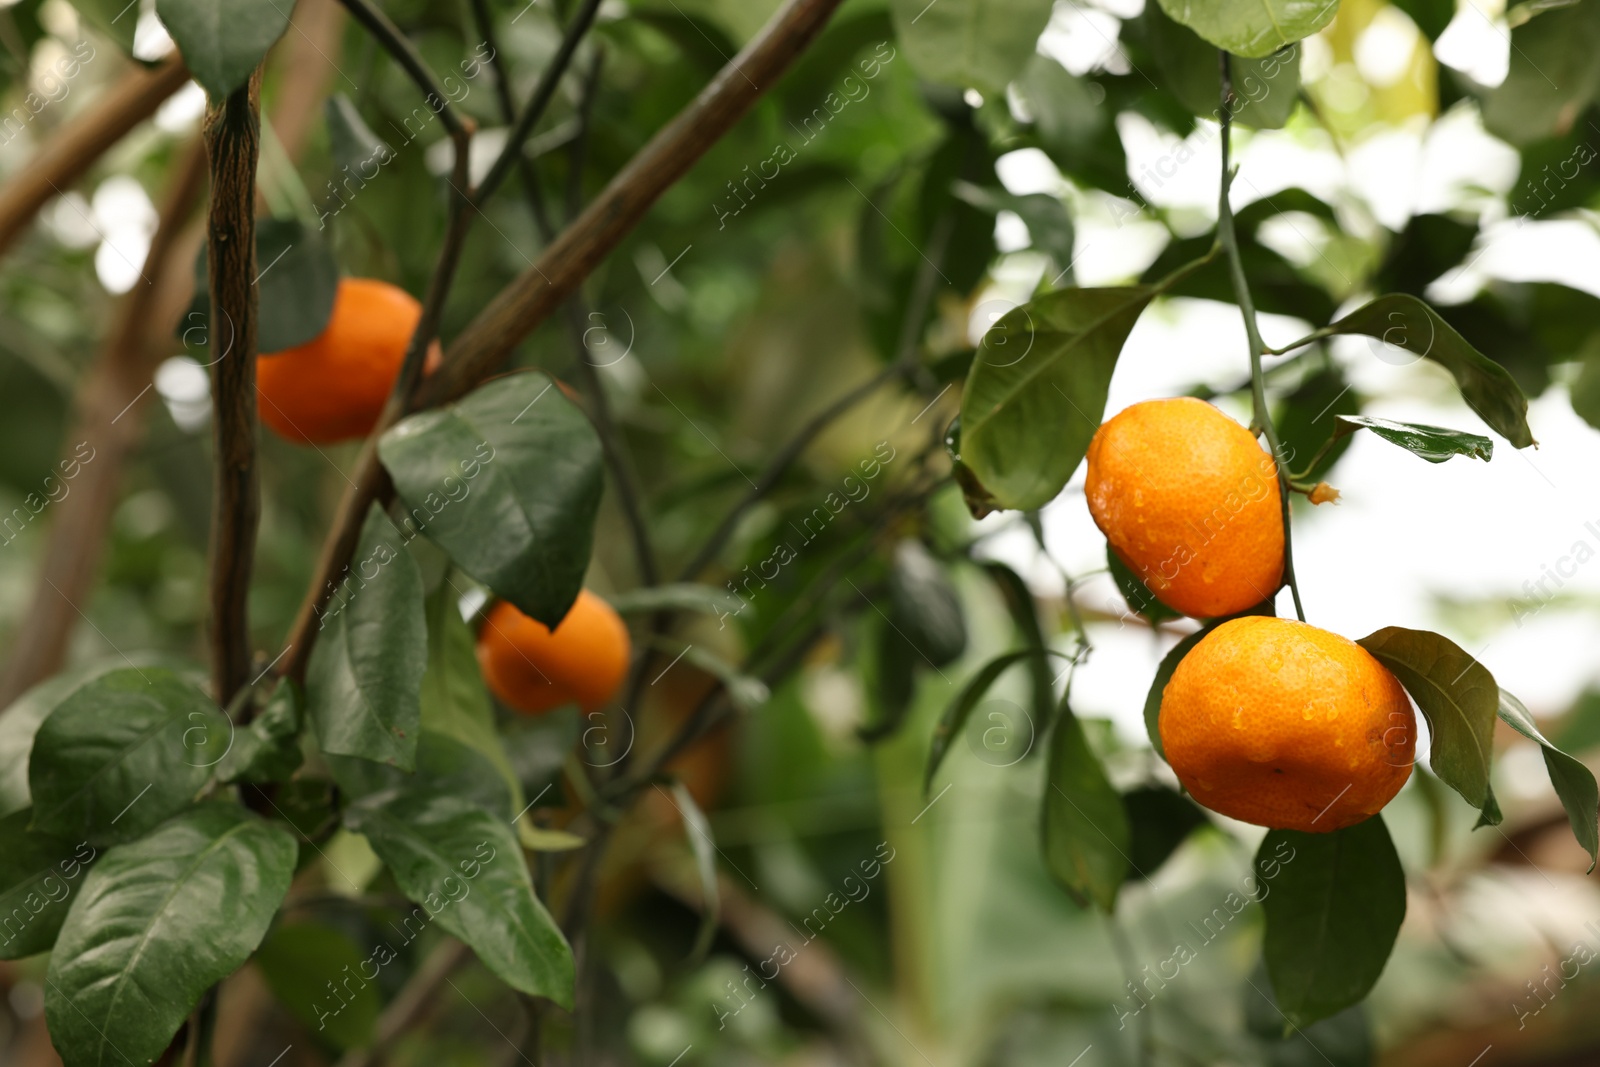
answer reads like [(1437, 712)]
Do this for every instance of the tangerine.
[(533, 669), (333, 387), (1277, 723), (1190, 502)]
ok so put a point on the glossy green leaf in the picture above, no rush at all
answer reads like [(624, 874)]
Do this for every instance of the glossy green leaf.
[(1158, 686), (1456, 693), (1252, 27), (454, 700), (299, 959), (923, 605), (1432, 443), (350, 138), (507, 481), (1333, 914), (1037, 390), (1265, 89), (1138, 595), (157, 923), (20, 722), (464, 868), (445, 765), (679, 596), (1552, 78), (1084, 823), (1408, 323), (363, 680), (222, 41), (39, 876), (1024, 614), (297, 279), (977, 44), (1050, 228), (955, 715), (1159, 820), (123, 753), (1574, 783), (268, 750)]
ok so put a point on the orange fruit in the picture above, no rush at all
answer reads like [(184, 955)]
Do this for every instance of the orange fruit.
[(1277, 723), (1189, 501), (332, 388), (534, 670)]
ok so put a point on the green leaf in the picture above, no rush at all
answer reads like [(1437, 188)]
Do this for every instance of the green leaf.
[(1025, 617), (1408, 323), (1158, 686), (268, 750), (298, 959), (1552, 78), (1333, 914), (363, 679), (1574, 783), (1050, 228), (454, 700), (222, 41), (1037, 390), (1266, 88), (1135, 592), (1341, 1040), (1159, 820), (537, 838), (955, 715), (122, 753), (1084, 823), (1456, 693), (116, 19), (445, 765), (978, 44), (20, 722), (350, 139), (682, 596), (528, 468), (297, 279), (1252, 27), (704, 849), (923, 605), (1432, 443), (464, 868), (157, 923), (40, 878)]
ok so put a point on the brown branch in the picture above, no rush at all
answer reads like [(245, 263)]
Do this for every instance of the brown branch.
[(524, 304), (530, 299), (416, 999), (74, 149), (106, 429), (233, 147)]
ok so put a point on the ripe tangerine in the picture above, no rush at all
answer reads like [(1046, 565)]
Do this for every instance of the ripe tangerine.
[(534, 670)]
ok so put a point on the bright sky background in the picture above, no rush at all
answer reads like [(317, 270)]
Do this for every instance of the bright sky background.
[(1407, 532)]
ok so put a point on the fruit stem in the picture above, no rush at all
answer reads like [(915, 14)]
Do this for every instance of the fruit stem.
[(1261, 417)]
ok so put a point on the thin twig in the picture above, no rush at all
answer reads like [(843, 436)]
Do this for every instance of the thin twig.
[(69, 154), (1261, 416), (399, 46), (415, 1000), (233, 143), (529, 300), (543, 92)]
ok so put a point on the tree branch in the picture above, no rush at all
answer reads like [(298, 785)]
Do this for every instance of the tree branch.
[(233, 146), (399, 46), (106, 429), (543, 92), (73, 150), (530, 299)]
